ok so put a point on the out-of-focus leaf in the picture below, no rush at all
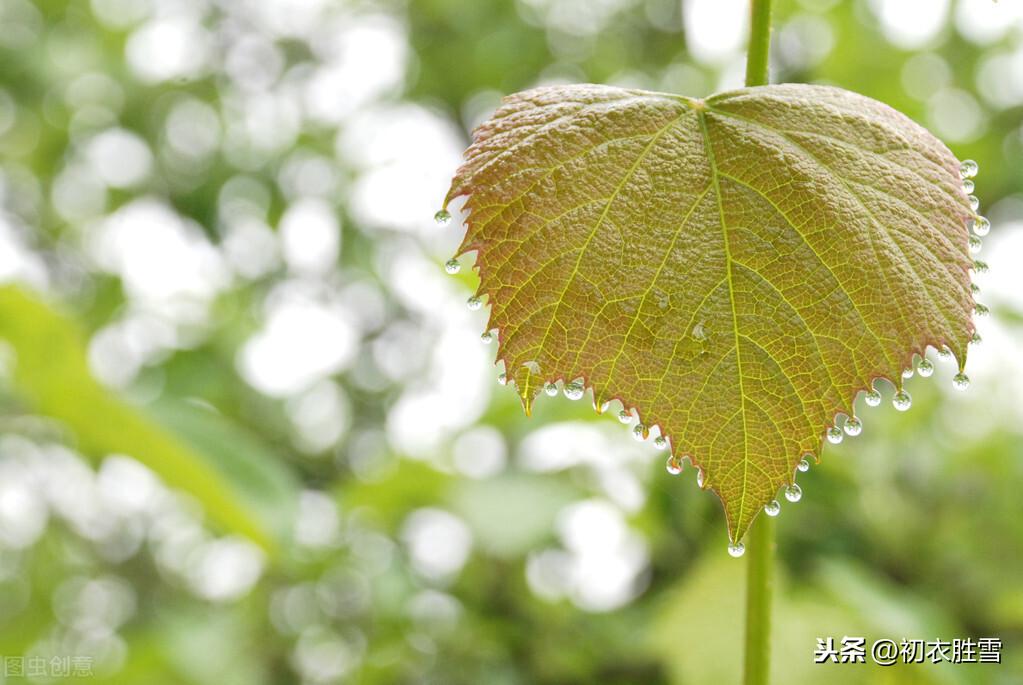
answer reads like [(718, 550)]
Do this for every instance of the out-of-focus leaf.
[(52, 374)]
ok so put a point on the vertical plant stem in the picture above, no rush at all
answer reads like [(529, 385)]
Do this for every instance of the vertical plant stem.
[(759, 43), (759, 588), (760, 539)]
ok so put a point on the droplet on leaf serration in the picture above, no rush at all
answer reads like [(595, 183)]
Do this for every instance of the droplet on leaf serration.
[(968, 168), (804, 464), (975, 339), (486, 337), (736, 549), (974, 202), (982, 226), (624, 416), (551, 389), (772, 508), (474, 303), (442, 217), (974, 288), (976, 244), (699, 478), (793, 493), (979, 266), (945, 353), (835, 435), (902, 401), (907, 372), (872, 398), (673, 465), (660, 442), (452, 266), (502, 378), (968, 185), (981, 309), (960, 381), (640, 432), (574, 390), (925, 368), (853, 426)]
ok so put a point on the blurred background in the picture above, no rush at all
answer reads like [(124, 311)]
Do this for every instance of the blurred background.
[(248, 433)]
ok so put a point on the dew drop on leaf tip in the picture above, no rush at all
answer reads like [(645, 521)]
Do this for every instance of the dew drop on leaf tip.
[(976, 244), (442, 217), (908, 372), (974, 202), (624, 416), (699, 478), (976, 339), (960, 381), (772, 508), (979, 266), (945, 353), (872, 398), (968, 168), (804, 464), (968, 185), (660, 442), (736, 550), (673, 465), (640, 432), (551, 389), (981, 226), (853, 426), (925, 368), (981, 309), (974, 288), (574, 390), (502, 379), (474, 303), (835, 435), (452, 266), (793, 493), (486, 337), (902, 401)]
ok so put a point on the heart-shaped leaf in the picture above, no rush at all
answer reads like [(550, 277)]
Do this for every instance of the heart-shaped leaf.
[(736, 269)]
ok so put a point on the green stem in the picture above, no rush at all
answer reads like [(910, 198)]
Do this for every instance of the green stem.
[(760, 539), (759, 587), (759, 43)]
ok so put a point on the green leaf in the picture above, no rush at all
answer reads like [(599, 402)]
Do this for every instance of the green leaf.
[(736, 269), (52, 374)]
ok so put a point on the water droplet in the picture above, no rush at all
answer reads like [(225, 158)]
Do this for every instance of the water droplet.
[(473, 303), (625, 416), (803, 465), (925, 368), (793, 493), (574, 390), (442, 217), (981, 309), (974, 288), (975, 244), (640, 432), (872, 398), (907, 373), (452, 266), (660, 442), (902, 401), (772, 508), (699, 478), (533, 366), (502, 378), (968, 185), (976, 339), (979, 266), (835, 435), (945, 353), (968, 169), (673, 465), (853, 426), (699, 333), (487, 338), (974, 202), (982, 226), (662, 299), (737, 550), (551, 389), (960, 381)]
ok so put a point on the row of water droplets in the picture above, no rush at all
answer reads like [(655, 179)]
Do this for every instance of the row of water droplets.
[(852, 426)]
